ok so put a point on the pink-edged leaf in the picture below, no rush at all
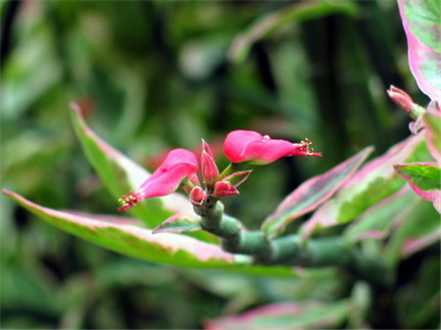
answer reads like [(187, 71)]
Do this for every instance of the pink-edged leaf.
[(432, 122), (141, 243), (312, 193), (422, 24), (378, 221), (424, 179), (177, 224), (412, 246), (372, 183), (121, 175), (419, 227), (304, 315)]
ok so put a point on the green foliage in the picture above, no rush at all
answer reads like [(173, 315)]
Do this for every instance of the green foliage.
[(425, 176), (140, 243), (375, 181), (154, 75), (117, 172), (425, 21), (284, 316), (311, 194)]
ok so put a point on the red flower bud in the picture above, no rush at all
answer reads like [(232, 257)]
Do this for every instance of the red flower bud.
[(209, 169), (197, 195), (224, 189), (401, 98)]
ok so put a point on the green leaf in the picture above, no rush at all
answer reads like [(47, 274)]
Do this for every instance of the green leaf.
[(419, 227), (424, 18), (286, 316), (121, 175), (177, 225), (432, 121), (297, 12), (375, 181), (424, 179), (378, 221), (422, 23), (312, 193), (140, 243), (427, 176)]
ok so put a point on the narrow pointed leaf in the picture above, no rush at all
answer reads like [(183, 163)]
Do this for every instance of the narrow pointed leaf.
[(312, 193), (306, 315), (377, 222), (420, 227), (424, 179), (372, 183), (297, 12), (140, 243), (422, 24), (121, 175)]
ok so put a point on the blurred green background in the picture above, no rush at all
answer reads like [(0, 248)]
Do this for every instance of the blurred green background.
[(156, 75)]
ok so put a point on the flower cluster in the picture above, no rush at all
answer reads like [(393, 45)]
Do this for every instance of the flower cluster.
[(201, 178)]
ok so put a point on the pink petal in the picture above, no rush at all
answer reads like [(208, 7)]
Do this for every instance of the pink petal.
[(242, 146), (236, 142), (178, 164)]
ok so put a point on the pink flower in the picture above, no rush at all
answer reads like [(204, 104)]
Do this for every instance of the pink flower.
[(178, 164), (249, 146)]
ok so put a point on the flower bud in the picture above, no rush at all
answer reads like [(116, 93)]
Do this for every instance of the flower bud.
[(209, 169), (400, 97), (403, 100), (206, 147), (224, 189), (197, 195)]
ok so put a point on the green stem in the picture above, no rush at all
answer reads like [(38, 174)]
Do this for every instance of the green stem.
[(290, 249)]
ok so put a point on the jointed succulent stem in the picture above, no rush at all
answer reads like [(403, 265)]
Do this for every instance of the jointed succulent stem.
[(290, 249)]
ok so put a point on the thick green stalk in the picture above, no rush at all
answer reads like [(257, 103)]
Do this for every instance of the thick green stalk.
[(290, 249)]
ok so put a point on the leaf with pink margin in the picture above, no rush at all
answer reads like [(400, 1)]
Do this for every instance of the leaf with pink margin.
[(424, 179), (378, 221), (372, 183), (312, 193), (422, 24), (304, 315), (432, 122), (121, 175), (419, 227), (177, 224), (140, 243)]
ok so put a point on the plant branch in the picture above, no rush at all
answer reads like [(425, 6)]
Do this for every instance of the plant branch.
[(290, 249)]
